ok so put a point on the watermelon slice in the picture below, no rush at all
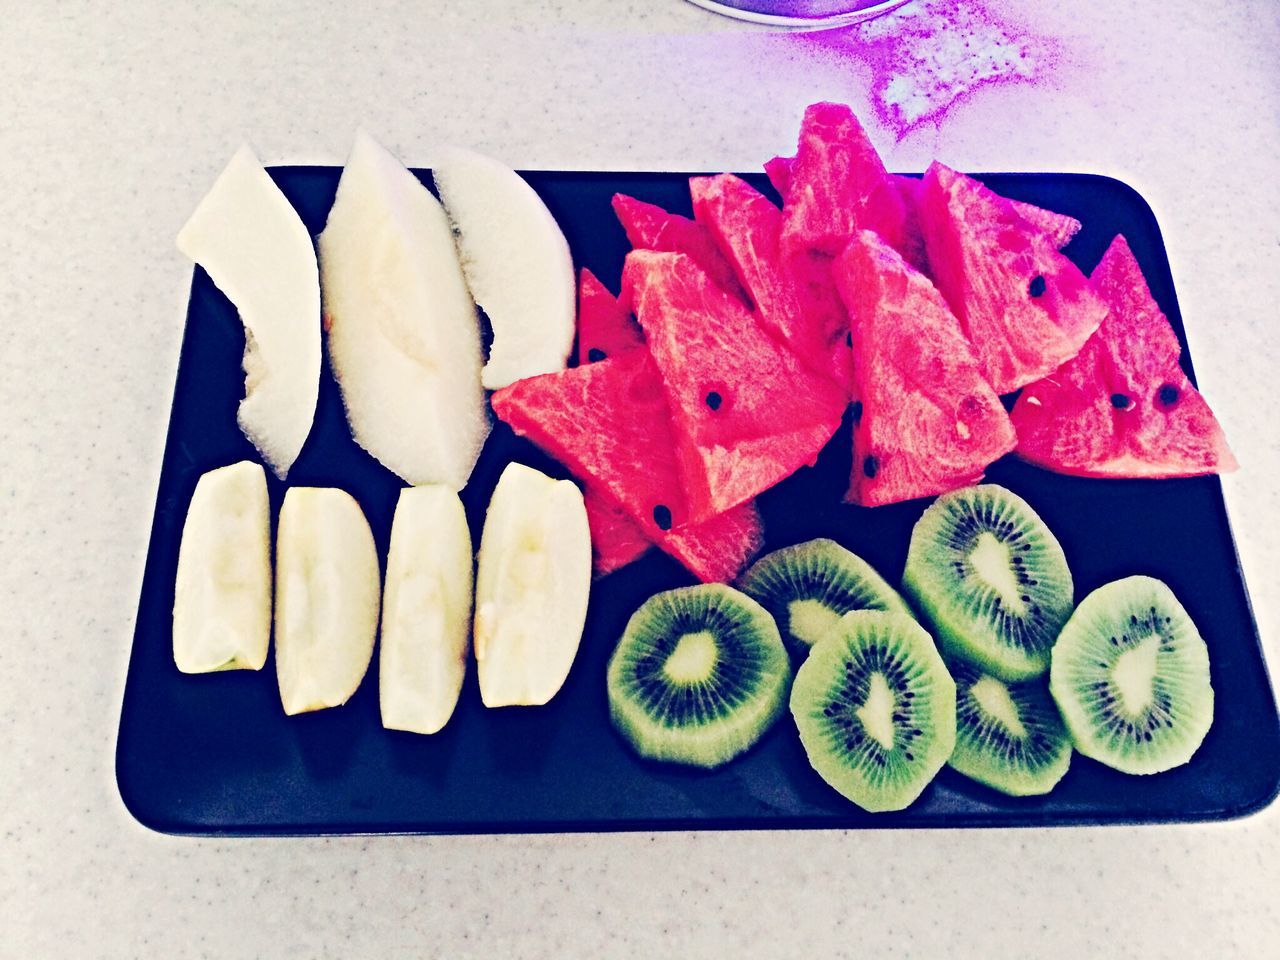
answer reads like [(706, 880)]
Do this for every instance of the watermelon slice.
[(795, 301), (609, 423), (616, 540), (1025, 307), (746, 412), (837, 185), (605, 328), (778, 170), (929, 421), (649, 227), (1123, 407)]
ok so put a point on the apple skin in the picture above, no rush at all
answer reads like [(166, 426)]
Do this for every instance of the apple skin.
[(426, 611), (222, 587), (328, 590)]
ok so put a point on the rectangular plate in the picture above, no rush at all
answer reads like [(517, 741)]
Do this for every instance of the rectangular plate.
[(216, 755)]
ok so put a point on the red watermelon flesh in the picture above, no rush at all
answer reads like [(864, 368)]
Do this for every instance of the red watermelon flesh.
[(1123, 406), (1025, 307), (717, 550), (605, 327), (792, 301), (778, 170), (616, 540), (837, 185), (746, 412), (609, 423), (649, 227), (1058, 227), (930, 422)]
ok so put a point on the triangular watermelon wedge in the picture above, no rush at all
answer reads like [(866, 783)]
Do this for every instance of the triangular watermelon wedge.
[(837, 185), (1123, 407), (929, 421), (609, 423), (649, 227), (778, 170), (605, 327), (714, 551), (1025, 307), (794, 301), (746, 412)]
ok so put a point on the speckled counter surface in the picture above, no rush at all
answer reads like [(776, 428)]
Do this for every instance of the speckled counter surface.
[(115, 119)]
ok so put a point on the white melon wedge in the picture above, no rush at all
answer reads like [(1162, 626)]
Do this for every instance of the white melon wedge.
[(531, 587), (255, 248), (327, 595), (222, 590), (404, 337), (517, 264), (426, 611)]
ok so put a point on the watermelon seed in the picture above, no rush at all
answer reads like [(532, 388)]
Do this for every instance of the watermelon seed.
[(1037, 287), (870, 467), (595, 355), (1168, 394), (1120, 401), (662, 516), (848, 339), (714, 400)]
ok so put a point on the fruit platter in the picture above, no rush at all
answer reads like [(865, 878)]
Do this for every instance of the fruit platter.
[(557, 501)]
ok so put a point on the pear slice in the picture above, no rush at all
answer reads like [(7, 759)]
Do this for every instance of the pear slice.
[(531, 587), (222, 590), (426, 611), (327, 593), (517, 264), (255, 248), (404, 338)]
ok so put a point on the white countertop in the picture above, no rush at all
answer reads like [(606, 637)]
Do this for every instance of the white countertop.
[(115, 120)]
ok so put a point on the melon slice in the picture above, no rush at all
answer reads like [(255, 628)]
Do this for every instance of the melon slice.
[(747, 414), (609, 423), (516, 261), (404, 338), (426, 611), (532, 584), (929, 422), (222, 588), (1025, 308), (327, 595), (1123, 407), (605, 327), (257, 251), (649, 227), (616, 539), (794, 302)]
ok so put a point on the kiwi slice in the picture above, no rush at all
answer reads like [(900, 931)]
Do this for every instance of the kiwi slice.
[(1131, 676), (1009, 736), (991, 580), (699, 675), (810, 586), (876, 709)]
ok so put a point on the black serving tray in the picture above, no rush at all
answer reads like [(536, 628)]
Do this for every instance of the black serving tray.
[(215, 754)]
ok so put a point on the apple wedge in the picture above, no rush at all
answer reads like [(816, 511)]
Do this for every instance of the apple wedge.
[(327, 593), (426, 611), (517, 264), (404, 337), (252, 244), (222, 590), (531, 587)]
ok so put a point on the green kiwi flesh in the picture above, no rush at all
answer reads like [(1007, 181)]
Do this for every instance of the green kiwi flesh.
[(990, 579), (810, 586), (1130, 674), (876, 709), (1009, 736), (699, 675)]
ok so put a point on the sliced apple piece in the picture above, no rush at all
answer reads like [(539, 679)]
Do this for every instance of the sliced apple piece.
[(222, 590), (404, 337), (426, 611), (327, 593), (255, 248), (517, 264), (531, 587)]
